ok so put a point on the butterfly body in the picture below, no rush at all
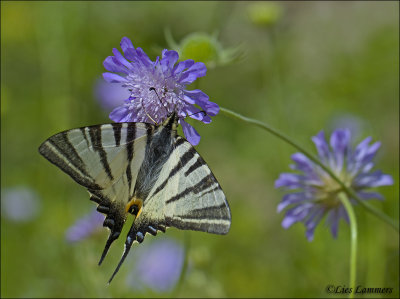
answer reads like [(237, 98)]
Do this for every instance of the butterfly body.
[(145, 170)]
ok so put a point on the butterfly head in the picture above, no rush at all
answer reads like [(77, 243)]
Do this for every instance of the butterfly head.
[(172, 118), (171, 122)]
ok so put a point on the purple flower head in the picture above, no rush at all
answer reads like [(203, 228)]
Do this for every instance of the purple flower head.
[(317, 194), (158, 88), (84, 227), (158, 266)]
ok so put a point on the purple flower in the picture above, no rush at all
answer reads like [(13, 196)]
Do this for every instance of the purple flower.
[(84, 227), (157, 266), (318, 194), (157, 88)]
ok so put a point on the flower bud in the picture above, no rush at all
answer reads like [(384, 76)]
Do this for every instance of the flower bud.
[(264, 13)]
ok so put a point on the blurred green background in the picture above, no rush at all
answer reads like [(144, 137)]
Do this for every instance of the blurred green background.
[(303, 67)]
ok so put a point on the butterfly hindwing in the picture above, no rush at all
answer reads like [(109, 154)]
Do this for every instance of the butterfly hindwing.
[(199, 202), (187, 195), (184, 194)]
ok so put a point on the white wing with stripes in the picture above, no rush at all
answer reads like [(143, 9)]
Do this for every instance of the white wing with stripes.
[(97, 156), (187, 195)]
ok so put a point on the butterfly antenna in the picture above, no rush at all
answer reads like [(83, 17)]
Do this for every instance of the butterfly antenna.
[(202, 111), (111, 238), (153, 89), (128, 245), (148, 115)]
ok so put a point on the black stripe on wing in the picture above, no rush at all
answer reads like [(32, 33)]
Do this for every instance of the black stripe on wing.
[(117, 133), (209, 212), (95, 137), (181, 163), (211, 190), (203, 184), (67, 149), (51, 150), (179, 140), (199, 162), (84, 135), (130, 137)]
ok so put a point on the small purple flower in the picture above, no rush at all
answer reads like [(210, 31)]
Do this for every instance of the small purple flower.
[(84, 227), (20, 204), (319, 192), (158, 266), (157, 88)]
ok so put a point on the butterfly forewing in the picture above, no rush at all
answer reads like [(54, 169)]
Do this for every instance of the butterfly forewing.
[(105, 159), (96, 156)]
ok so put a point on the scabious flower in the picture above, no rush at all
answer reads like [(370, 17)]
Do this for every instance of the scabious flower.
[(84, 227), (157, 88), (318, 195), (157, 266)]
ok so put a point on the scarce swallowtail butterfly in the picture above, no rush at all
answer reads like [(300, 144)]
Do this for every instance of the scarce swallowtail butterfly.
[(145, 170)]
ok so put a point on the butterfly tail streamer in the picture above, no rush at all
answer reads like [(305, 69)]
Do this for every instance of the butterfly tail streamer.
[(110, 240), (132, 236), (124, 255)]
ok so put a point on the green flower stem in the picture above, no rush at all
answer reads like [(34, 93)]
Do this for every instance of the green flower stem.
[(353, 241), (350, 192)]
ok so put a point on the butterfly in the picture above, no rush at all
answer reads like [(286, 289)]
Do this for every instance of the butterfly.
[(145, 170)]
